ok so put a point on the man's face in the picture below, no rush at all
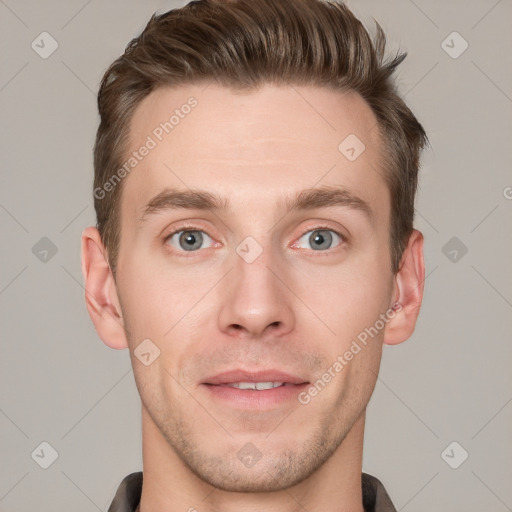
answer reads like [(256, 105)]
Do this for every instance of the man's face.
[(290, 299)]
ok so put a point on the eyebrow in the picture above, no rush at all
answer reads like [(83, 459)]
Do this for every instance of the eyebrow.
[(308, 199)]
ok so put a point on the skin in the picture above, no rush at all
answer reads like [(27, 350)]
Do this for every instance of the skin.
[(293, 308)]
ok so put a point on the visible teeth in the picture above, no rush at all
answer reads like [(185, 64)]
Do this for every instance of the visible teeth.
[(256, 385)]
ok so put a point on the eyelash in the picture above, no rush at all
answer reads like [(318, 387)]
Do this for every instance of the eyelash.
[(191, 227)]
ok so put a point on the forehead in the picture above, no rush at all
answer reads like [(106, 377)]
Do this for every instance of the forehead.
[(242, 144)]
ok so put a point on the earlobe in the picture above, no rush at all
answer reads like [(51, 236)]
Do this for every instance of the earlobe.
[(100, 291), (408, 293)]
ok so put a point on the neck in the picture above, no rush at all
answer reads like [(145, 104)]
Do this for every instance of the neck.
[(170, 486)]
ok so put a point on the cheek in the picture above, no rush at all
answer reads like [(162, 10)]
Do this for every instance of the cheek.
[(347, 298), (164, 304), (148, 300)]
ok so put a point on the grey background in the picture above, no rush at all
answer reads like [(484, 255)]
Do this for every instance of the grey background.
[(450, 382)]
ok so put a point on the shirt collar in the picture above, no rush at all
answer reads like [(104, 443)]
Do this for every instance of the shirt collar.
[(127, 498)]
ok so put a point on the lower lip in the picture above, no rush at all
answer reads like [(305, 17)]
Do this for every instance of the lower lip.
[(255, 399)]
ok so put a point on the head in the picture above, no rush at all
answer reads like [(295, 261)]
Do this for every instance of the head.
[(277, 121)]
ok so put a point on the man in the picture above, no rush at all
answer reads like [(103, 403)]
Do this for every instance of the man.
[(255, 175)]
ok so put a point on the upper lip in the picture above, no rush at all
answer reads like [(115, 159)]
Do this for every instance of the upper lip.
[(232, 376)]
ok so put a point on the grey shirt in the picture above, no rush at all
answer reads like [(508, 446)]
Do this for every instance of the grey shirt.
[(127, 498)]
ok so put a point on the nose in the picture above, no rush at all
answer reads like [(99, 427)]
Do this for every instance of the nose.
[(256, 300)]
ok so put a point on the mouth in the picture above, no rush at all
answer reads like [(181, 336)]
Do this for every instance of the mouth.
[(265, 378), (254, 390), (256, 386)]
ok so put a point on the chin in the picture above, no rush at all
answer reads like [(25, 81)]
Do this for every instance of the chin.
[(265, 478)]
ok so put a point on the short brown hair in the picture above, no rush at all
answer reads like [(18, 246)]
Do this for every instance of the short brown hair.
[(243, 44)]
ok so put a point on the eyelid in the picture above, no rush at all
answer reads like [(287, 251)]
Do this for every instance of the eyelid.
[(343, 238), (189, 227), (185, 225)]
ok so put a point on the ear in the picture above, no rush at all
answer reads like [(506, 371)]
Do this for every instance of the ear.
[(100, 291), (408, 292)]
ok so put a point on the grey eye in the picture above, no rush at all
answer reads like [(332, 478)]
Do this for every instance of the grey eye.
[(320, 239), (190, 240)]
